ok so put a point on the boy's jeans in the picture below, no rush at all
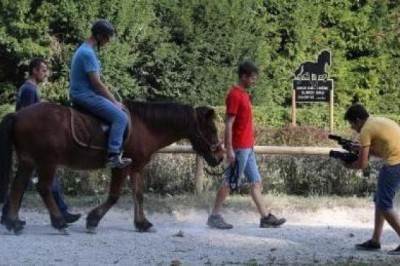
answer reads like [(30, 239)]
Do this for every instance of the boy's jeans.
[(105, 109)]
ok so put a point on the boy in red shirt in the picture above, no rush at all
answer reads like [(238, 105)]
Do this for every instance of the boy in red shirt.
[(239, 142)]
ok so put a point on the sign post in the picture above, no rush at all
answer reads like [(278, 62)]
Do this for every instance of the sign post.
[(313, 89)]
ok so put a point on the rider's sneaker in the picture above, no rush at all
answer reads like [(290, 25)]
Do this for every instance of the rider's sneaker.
[(216, 221), (116, 161), (271, 221)]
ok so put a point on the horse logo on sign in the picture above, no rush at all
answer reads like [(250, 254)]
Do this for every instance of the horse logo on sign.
[(309, 69)]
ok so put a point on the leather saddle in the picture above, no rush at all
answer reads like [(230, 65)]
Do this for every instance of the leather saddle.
[(90, 131)]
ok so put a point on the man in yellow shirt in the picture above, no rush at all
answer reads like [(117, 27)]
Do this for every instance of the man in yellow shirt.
[(379, 136)]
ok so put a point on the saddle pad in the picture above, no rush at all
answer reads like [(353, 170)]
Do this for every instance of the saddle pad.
[(87, 131)]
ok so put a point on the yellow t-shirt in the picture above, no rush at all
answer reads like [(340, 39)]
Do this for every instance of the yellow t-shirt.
[(383, 137)]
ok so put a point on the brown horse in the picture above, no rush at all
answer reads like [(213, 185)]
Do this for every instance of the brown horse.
[(42, 137)]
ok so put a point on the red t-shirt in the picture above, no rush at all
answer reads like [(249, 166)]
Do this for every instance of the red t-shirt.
[(238, 104)]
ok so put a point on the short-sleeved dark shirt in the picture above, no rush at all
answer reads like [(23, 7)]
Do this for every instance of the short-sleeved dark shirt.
[(28, 94)]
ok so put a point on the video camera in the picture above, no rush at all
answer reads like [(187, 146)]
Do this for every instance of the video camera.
[(350, 146)]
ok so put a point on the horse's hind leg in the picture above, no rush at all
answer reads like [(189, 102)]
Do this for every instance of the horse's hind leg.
[(46, 176), (22, 177), (117, 179), (140, 220)]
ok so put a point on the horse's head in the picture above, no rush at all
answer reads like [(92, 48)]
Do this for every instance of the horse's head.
[(325, 57), (204, 137)]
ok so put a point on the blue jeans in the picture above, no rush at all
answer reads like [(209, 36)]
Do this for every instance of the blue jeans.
[(55, 189), (108, 111), (247, 166), (388, 184)]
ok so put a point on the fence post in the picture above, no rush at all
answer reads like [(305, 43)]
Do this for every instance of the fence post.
[(198, 182)]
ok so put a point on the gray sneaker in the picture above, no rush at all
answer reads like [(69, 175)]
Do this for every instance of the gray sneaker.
[(216, 221), (271, 221)]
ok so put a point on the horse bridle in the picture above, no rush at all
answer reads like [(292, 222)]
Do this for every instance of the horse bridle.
[(212, 147), (199, 135)]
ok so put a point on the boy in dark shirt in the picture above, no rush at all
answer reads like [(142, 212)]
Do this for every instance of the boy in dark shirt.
[(28, 94)]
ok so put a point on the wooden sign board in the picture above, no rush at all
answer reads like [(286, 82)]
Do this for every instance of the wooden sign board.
[(309, 88), (307, 93)]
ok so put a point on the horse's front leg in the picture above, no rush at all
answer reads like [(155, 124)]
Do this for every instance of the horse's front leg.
[(13, 203), (140, 220), (118, 177), (46, 176)]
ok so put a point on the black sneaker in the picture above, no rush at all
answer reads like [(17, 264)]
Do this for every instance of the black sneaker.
[(368, 245), (271, 221), (216, 221), (117, 161), (3, 221), (71, 218), (395, 251)]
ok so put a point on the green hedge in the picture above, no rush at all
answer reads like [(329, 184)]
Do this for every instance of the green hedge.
[(5, 109), (294, 175), (189, 50)]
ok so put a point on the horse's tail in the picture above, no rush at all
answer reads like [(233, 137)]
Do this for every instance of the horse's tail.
[(6, 144), (298, 71)]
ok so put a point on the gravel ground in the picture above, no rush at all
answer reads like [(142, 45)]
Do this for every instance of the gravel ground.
[(182, 238)]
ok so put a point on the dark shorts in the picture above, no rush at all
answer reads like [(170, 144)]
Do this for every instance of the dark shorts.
[(388, 184)]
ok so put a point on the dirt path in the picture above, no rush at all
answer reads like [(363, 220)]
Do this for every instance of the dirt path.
[(327, 236)]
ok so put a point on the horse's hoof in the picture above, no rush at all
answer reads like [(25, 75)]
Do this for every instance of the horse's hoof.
[(91, 230), (18, 231), (143, 226), (8, 226), (63, 231), (140, 230), (149, 230), (92, 221), (58, 222), (17, 227)]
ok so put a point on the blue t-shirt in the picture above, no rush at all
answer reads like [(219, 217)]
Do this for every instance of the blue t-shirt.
[(84, 62), (28, 94)]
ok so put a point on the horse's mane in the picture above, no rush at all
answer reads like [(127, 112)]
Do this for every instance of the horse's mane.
[(163, 116)]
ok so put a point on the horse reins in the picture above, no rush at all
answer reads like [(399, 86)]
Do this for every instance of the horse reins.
[(233, 177)]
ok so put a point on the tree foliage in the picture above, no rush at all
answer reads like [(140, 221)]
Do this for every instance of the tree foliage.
[(188, 50)]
